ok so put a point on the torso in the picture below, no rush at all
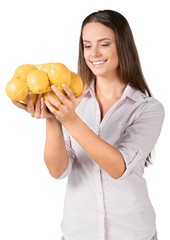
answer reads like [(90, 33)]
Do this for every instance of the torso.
[(105, 105)]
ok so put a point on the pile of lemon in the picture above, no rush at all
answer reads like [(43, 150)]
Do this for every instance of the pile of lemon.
[(38, 79)]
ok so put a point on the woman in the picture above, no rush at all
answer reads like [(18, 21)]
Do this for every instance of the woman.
[(102, 140)]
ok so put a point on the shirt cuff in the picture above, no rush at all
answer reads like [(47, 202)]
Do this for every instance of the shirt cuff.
[(67, 171), (130, 162)]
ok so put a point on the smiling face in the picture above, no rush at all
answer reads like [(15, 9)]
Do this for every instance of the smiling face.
[(100, 51)]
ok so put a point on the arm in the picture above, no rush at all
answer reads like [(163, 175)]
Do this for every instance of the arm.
[(55, 154), (105, 155)]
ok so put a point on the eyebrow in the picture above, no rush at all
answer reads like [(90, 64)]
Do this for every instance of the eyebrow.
[(99, 40)]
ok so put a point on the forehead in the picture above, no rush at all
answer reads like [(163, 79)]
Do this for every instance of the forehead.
[(94, 31)]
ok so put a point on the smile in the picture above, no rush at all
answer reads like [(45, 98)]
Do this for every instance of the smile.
[(96, 63)]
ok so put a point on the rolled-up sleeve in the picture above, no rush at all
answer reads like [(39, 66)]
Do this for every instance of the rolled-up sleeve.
[(139, 138)]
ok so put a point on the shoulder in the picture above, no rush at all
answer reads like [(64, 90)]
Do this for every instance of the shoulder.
[(153, 112), (155, 105), (150, 103), (146, 106)]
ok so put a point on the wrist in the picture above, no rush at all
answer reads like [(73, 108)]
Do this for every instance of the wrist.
[(71, 121), (53, 121)]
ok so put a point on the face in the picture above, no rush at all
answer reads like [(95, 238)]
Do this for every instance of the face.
[(100, 51)]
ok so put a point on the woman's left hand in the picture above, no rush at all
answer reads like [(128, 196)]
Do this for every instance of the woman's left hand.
[(64, 110)]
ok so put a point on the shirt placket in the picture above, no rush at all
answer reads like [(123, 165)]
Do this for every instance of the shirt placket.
[(100, 200)]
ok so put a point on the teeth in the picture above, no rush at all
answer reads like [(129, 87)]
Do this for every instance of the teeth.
[(98, 62)]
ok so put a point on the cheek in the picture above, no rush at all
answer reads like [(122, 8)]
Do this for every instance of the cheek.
[(116, 56), (115, 59), (86, 57)]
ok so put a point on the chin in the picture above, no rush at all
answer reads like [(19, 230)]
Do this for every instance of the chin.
[(98, 72)]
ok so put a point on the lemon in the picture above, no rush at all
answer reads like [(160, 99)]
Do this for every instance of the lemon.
[(38, 81), (16, 89), (44, 67), (22, 71), (76, 84), (59, 74), (34, 98)]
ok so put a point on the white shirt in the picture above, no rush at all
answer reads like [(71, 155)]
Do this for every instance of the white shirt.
[(98, 207)]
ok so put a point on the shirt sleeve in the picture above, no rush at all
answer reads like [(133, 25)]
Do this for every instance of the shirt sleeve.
[(139, 138), (70, 152)]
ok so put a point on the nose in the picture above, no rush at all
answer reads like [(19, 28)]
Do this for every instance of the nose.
[(95, 51)]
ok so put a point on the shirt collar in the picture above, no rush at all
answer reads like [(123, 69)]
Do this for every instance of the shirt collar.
[(129, 92), (134, 94)]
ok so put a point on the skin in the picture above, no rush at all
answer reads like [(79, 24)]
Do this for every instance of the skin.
[(101, 57)]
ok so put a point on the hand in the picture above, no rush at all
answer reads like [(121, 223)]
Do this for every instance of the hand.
[(64, 110), (37, 110)]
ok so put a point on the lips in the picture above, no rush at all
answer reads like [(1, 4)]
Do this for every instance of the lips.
[(97, 63)]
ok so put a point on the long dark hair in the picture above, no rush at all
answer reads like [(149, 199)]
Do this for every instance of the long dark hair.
[(129, 63)]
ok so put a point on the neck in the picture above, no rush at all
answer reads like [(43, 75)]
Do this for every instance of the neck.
[(109, 88)]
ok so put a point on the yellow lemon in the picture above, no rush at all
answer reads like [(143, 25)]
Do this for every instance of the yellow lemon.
[(22, 71), (34, 98), (44, 67), (16, 89), (38, 81), (59, 74), (76, 84)]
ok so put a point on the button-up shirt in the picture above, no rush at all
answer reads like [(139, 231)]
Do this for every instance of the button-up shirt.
[(97, 206)]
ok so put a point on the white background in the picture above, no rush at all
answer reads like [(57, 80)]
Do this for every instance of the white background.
[(31, 201)]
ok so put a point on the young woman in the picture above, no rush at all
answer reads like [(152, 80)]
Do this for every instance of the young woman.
[(102, 140)]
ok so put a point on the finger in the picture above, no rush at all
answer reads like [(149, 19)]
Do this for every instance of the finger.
[(68, 91), (30, 105), (62, 98), (45, 113), (37, 113), (20, 105), (50, 107), (54, 100), (43, 108)]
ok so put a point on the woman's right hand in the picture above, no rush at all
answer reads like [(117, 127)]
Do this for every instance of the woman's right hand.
[(37, 110)]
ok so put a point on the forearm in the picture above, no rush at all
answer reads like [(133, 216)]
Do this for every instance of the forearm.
[(55, 154), (105, 155)]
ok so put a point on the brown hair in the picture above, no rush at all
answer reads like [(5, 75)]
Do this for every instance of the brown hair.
[(129, 63)]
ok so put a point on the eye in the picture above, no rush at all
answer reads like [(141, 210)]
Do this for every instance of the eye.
[(87, 46), (105, 44)]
